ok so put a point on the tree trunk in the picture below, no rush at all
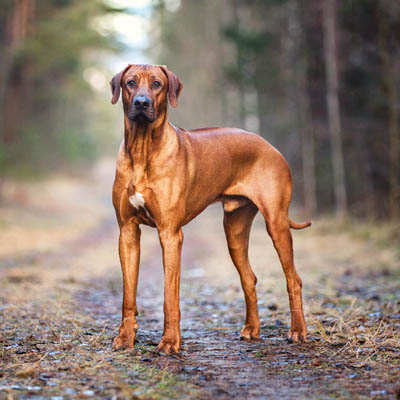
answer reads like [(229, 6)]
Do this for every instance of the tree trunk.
[(300, 106), (17, 29), (389, 72), (332, 97), (239, 62)]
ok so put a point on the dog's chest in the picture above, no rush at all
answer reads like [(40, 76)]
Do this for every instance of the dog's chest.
[(139, 204), (137, 201), (140, 208), (132, 203)]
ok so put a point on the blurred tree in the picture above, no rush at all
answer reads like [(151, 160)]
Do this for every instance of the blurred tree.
[(298, 49), (187, 40), (45, 102), (300, 103), (256, 68), (272, 68), (388, 17), (18, 20), (370, 89), (332, 98)]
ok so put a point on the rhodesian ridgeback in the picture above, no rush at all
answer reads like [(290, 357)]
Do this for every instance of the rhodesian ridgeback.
[(166, 176)]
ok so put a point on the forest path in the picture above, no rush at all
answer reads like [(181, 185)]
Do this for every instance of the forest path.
[(61, 290)]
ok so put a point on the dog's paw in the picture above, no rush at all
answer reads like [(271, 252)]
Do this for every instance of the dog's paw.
[(169, 345), (250, 332), (127, 335), (298, 329), (123, 342), (296, 336)]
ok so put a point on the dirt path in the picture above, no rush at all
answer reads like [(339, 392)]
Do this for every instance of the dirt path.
[(60, 299)]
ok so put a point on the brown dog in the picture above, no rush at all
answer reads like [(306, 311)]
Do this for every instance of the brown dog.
[(166, 176)]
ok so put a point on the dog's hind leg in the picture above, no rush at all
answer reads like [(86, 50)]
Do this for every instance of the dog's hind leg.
[(274, 205), (237, 226)]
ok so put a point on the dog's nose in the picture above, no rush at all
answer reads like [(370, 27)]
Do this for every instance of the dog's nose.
[(141, 102)]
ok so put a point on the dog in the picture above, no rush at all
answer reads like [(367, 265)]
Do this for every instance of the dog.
[(166, 176)]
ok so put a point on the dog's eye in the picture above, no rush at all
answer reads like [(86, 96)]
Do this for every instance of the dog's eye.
[(156, 84), (131, 83)]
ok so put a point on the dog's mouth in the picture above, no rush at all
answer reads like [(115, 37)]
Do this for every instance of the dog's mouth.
[(141, 116)]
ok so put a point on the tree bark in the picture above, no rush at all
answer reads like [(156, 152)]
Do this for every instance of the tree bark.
[(332, 97)]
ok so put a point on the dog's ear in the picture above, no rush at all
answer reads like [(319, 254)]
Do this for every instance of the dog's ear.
[(174, 86), (115, 84)]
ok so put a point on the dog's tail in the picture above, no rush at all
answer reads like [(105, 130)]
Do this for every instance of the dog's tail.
[(301, 225)]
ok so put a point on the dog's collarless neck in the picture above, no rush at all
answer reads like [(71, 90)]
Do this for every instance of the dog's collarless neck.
[(145, 143)]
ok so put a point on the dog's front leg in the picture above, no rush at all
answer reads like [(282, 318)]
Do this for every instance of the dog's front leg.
[(129, 253), (171, 243)]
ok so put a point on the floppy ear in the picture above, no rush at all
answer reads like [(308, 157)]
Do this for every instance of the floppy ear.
[(115, 84), (174, 86)]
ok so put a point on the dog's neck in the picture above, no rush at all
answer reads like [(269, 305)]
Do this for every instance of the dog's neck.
[(144, 141)]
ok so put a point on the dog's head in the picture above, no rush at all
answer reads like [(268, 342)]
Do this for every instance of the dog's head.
[(145, 91)]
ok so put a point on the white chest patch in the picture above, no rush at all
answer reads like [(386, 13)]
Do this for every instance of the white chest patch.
[(137, 200)]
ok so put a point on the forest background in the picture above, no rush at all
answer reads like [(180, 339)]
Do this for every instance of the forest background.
[(317, 79)]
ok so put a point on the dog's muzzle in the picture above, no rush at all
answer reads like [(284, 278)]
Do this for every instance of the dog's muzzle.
[(142, 109)]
